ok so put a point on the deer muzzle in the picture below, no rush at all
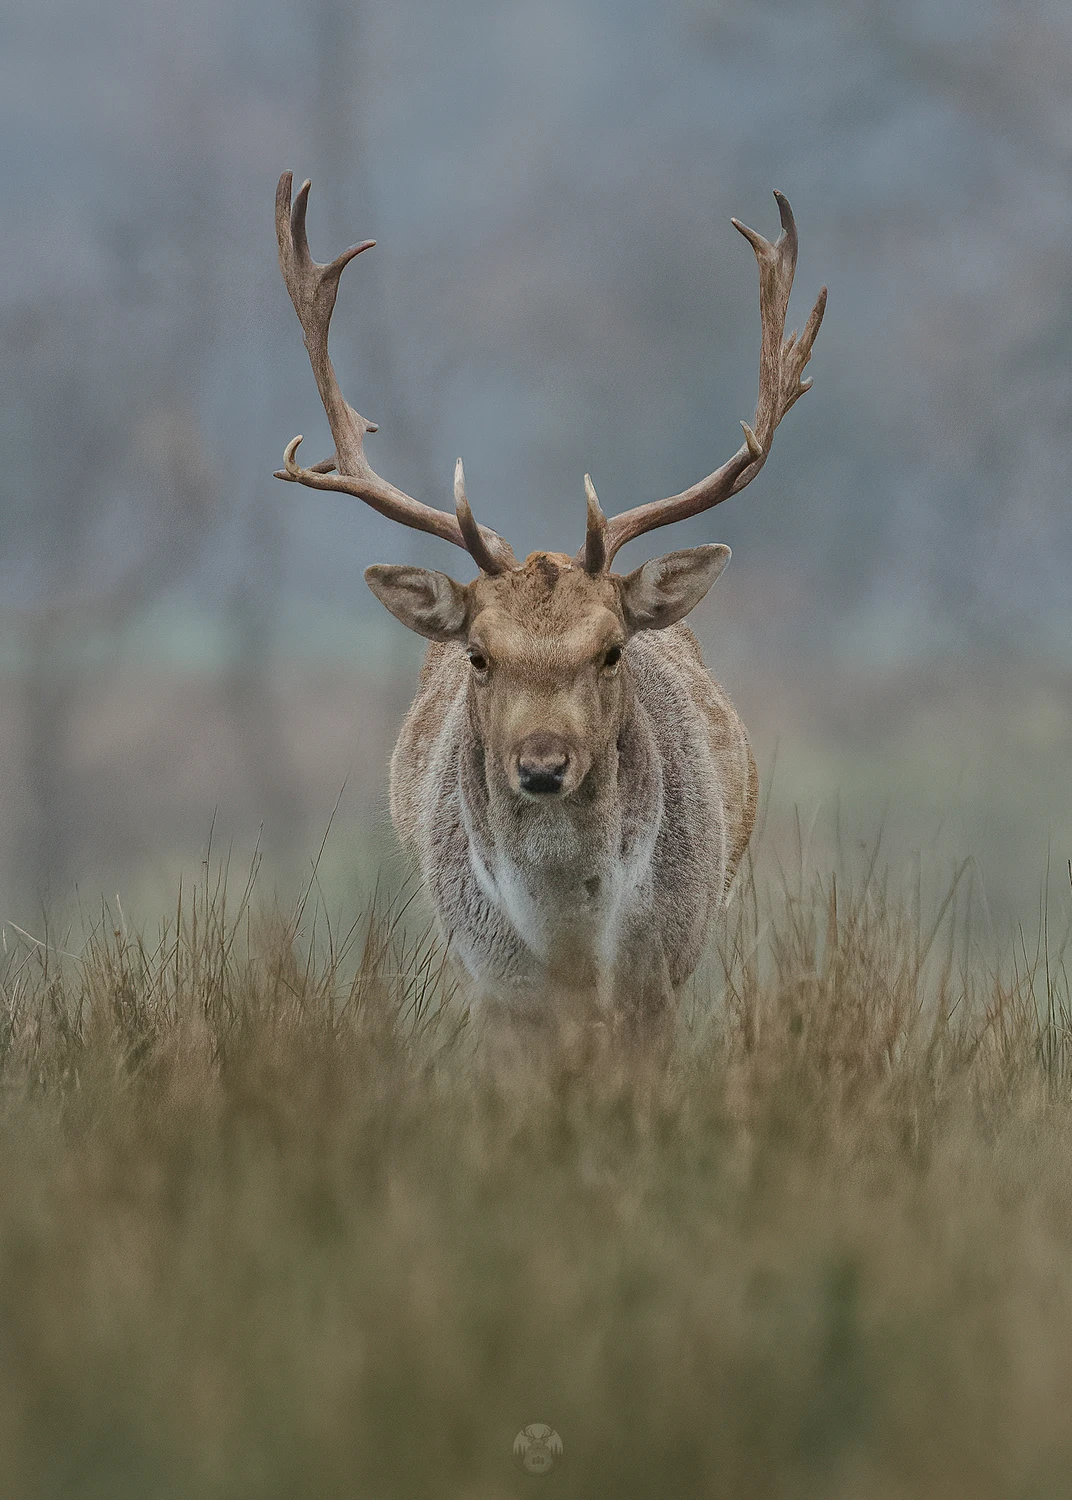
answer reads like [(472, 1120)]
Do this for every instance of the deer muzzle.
[(543, 764)]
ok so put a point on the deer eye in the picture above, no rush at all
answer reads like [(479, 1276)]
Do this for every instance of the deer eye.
[(613, 656), (477, 661)]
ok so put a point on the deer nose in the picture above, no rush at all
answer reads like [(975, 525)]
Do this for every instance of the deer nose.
[(542, 762)]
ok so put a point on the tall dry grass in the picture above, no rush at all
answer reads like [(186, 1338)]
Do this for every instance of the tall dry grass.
[(276, 1220)]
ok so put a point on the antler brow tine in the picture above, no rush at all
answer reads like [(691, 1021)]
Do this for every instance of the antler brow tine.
[(595, 540), (482, 555)]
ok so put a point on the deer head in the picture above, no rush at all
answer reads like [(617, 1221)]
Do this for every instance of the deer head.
[(545, 644), (545, 639)]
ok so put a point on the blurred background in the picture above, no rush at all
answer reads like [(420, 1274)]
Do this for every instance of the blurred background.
[(188, 645)]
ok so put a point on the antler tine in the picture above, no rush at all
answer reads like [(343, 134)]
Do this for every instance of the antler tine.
[(480, 552), (325, 466), (781, 365), (313, 289), (594, 556)]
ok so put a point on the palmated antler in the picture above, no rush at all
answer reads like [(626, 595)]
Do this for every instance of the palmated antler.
[(781, 366), (313, 289)]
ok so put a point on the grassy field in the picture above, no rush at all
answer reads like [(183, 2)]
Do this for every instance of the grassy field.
[(277, 1220)]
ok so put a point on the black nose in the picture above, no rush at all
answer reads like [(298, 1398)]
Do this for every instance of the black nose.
[(542, 763), (540, 780)]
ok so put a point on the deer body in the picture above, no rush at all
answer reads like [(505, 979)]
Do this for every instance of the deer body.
[(606, 895), (576, 789)]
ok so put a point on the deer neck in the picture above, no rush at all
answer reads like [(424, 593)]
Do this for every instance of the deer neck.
[(565, 867)]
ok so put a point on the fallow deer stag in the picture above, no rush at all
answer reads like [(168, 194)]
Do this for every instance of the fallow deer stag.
[(576, 789)]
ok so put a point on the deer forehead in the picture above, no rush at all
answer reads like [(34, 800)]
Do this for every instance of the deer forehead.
[(543, 646), (548, 591), (546, 613)]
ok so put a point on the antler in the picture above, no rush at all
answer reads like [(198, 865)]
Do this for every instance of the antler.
[(781, 365), (313, 289)]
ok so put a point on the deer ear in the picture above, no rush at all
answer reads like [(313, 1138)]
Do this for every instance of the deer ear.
[(429, 603), (665, 589)]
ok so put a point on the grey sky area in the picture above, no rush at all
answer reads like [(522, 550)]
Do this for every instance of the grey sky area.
[(557, 288)]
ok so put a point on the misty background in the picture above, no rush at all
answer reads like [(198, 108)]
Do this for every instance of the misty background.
[(188, 644)]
